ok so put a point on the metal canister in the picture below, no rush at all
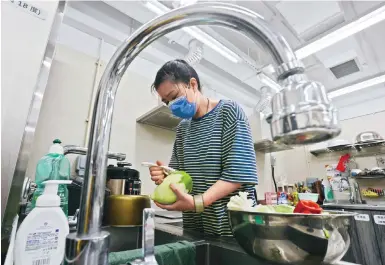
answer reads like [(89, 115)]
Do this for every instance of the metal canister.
[(128, 179)]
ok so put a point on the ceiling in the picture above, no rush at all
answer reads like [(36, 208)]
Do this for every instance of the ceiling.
[(299, 22)]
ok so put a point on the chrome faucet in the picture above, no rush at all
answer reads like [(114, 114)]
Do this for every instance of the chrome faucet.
[(355, 192), (74, 149), (341, 185), (302, 112)]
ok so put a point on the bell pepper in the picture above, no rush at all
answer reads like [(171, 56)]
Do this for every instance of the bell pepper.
[(308, 207)]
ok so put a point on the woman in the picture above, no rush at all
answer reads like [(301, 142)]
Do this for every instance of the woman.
[(213, 144)]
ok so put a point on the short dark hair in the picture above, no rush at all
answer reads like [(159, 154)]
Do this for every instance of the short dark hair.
[(176, 71)]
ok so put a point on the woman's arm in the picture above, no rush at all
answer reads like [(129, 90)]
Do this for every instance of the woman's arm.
[(185, 202), (219, 190)]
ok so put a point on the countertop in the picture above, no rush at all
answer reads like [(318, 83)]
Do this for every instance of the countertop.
[(368, 207)]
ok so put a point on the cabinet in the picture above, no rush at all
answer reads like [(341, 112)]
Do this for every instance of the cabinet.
[(379, 228), (367, 245)]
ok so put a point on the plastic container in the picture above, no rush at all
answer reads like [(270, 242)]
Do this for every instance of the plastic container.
[(308, 196), (53, 166), (41, 236), (328, 191)]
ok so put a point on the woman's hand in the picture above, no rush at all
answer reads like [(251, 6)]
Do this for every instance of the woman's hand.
[(157, 173), (184, 201)]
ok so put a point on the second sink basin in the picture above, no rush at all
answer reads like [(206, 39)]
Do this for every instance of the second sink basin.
[(127, 238)]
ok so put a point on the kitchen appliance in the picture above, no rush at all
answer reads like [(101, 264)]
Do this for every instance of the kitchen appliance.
[(74, 193), (126, 210), (368, 137), (123, 180), (297, 239)]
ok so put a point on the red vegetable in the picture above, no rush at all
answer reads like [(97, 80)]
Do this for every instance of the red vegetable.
[(308, 207)]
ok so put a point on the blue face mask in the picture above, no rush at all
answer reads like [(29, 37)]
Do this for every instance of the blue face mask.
[(182, 108)]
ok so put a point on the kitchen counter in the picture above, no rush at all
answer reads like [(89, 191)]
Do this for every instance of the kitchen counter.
[(369, 207)]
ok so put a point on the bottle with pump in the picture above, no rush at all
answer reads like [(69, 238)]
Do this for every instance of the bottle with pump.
[(41, 237), (53, 166)]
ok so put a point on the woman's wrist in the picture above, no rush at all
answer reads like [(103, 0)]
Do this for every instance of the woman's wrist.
[(199, 203)]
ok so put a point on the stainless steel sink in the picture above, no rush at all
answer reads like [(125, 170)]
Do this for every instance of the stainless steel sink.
[(127, 238), (209, 254), (214, 252)]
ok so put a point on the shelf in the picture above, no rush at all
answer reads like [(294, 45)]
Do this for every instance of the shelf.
[(268, 146), (160, 117), (370, 177), (356, 150)]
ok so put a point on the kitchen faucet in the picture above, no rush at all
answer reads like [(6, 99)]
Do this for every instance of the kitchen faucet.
[(74, 149), (302, 112)]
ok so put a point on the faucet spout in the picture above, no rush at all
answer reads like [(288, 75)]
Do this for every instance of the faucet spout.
[(74, 149), (85, 245)]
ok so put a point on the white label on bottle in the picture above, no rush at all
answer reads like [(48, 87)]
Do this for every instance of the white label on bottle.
[(42, 243), (362, 217), (379, 219)]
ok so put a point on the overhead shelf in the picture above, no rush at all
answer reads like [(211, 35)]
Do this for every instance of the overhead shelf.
[(356, 150), (370, 177), (268, 146), (160, 117)]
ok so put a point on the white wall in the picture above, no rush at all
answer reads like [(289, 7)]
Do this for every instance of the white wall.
[(23, 43), (68, 95), (65, 109)]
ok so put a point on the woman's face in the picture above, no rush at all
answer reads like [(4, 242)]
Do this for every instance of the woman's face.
[(169, 90)]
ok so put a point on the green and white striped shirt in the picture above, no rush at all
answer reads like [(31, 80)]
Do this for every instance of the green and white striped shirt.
[(217, 146)]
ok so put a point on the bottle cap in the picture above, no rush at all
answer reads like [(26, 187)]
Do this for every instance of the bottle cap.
[(49, 198), (56, 148)]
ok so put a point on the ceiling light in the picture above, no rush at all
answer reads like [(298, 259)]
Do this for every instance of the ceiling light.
[(195, 32), (357, 86), (352, 28)]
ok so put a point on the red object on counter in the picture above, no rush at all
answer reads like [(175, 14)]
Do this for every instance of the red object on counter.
[(308, 207), (341, 167)]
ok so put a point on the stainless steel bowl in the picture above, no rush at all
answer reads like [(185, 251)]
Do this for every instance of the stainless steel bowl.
[(298, 239), (369, 136)]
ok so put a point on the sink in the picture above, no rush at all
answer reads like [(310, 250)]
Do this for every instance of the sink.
[(209, 254), (127, 238), (213, 253)]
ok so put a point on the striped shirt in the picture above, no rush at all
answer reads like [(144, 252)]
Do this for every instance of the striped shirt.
[(216, 146)]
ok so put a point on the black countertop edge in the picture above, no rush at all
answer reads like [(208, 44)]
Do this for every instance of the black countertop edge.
[(367, 207)]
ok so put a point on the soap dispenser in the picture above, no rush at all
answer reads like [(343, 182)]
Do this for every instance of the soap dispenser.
[(41, 237)]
